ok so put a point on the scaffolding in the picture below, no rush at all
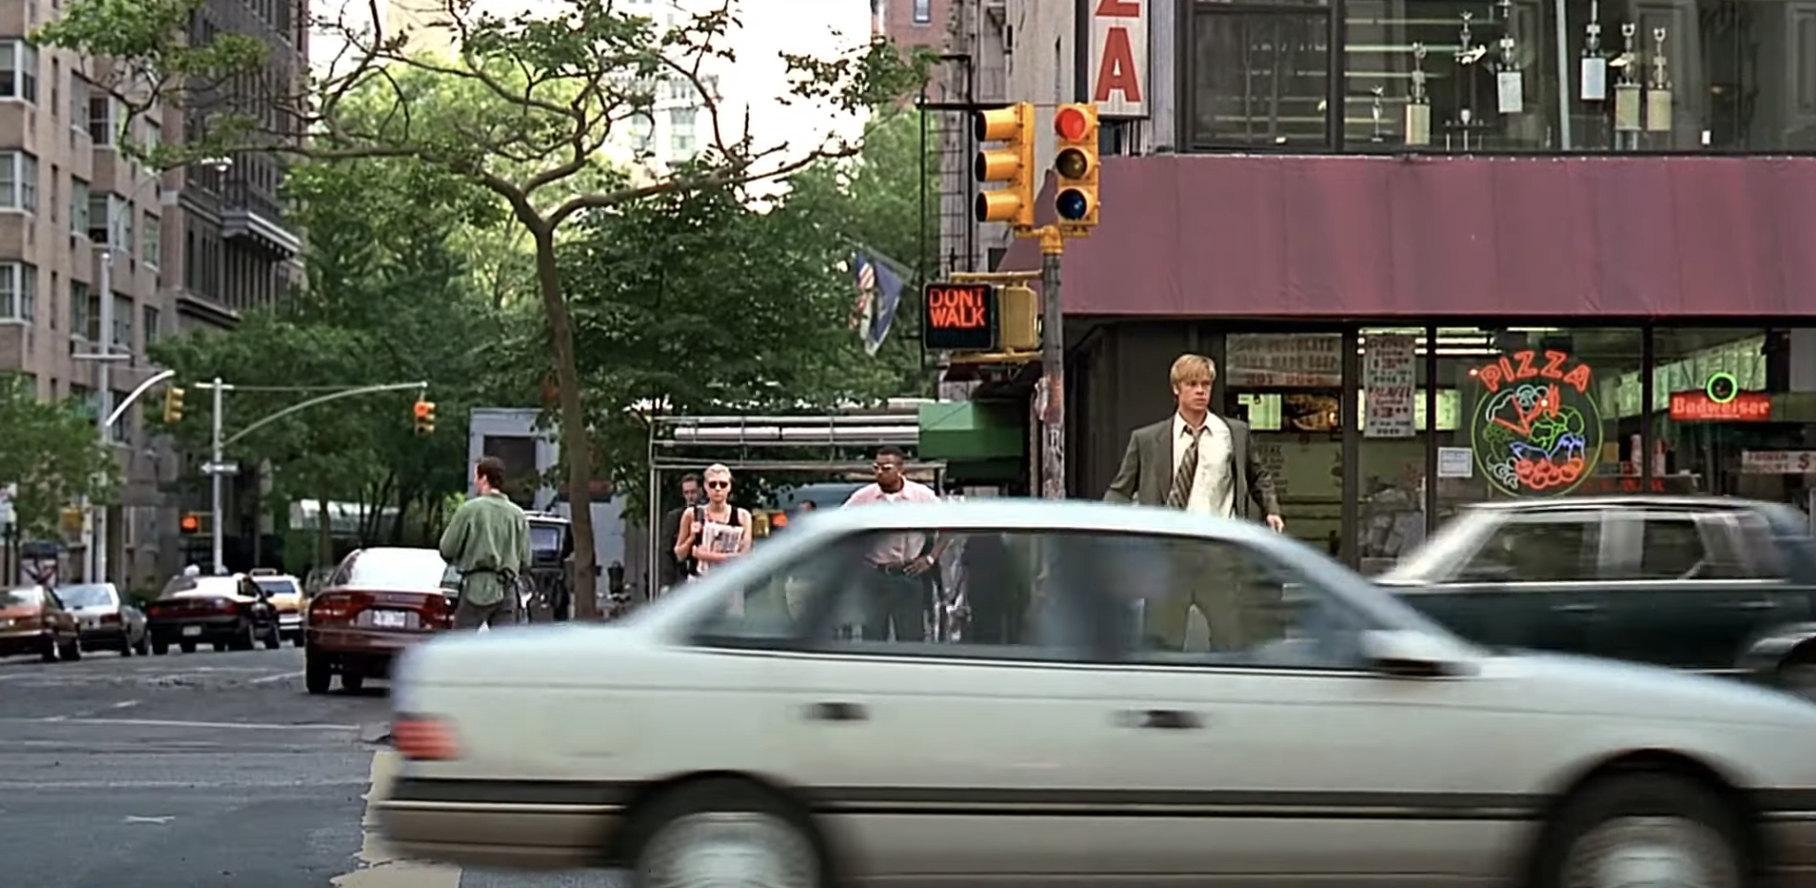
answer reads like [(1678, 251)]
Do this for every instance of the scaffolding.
[(842, 443)]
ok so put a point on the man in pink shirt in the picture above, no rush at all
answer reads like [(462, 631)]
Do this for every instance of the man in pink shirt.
[(901, 561)]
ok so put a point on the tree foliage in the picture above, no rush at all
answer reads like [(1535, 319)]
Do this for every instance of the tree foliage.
[(388, 301), (51, 455), (523, 112)]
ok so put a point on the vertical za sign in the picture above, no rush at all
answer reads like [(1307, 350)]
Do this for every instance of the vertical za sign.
[(1119, 57)]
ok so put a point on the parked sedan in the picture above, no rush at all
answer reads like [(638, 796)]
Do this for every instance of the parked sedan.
[(1710, 584), (229, 612), (376, 603), (1154, 699), (107, 620), (34, 621)]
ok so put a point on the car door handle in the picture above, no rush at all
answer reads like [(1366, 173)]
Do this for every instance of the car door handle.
[(1162, 719), (838, 711), (1581, 607), (1757, 604)]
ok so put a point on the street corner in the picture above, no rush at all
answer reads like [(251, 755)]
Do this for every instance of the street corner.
[(377, 865)]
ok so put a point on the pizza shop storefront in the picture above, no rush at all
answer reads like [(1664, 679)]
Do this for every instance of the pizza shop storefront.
[(1435, 389)]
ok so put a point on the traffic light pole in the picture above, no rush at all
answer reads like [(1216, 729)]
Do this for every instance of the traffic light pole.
[(1053, 367), (217, 462)]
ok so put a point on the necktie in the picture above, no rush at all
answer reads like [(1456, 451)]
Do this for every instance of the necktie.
[(1181, 491)]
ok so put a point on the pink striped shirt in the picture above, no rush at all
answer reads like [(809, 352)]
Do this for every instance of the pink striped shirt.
[(896, 548)]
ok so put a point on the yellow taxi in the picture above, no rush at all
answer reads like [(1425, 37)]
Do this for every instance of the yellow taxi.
[(286, 594)]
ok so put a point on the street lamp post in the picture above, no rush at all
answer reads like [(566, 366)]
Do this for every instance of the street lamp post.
[(104, 358)]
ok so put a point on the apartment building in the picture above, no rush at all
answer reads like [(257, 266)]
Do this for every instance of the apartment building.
[(179, 250)]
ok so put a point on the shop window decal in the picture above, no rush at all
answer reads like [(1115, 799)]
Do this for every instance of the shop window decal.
[(1536, 430)]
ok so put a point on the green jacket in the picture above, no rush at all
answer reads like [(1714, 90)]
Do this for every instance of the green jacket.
[(486, 536)]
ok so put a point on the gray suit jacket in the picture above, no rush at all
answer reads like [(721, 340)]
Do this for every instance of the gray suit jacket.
[(1147, 471)]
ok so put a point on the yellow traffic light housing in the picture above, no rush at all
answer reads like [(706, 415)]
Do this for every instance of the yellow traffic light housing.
[(1012, 165), (1017, 319), (1076, 164), (425, 417), (173, 405)]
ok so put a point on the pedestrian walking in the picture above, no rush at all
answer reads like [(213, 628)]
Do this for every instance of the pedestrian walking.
[(1205, 464), (488, 541), (900, 562), (671, 568)]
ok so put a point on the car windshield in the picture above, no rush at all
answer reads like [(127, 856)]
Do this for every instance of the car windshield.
[(190, 587), (277, 586), (398, 570), (86, 595), (547, 537), (21, 597), (1441, 555)]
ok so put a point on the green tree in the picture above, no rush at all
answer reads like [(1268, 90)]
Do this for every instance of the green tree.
[(51, 455), (522, 113)]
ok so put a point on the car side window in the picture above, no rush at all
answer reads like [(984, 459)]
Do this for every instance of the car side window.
[(996, 594), (1193, 601), (1756, 551), (1541, 549)]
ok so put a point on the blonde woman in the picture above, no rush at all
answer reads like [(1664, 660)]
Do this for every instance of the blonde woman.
[(714, 531)]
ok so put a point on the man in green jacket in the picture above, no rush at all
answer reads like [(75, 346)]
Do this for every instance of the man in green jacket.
[(488, 541)]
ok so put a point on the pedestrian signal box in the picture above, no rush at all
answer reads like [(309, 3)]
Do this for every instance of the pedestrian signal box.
[(959, 317)]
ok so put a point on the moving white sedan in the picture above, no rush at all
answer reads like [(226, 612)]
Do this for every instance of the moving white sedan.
[(1138, 697)]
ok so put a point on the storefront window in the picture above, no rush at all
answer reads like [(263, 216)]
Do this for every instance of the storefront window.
[(1726, 415), (1289, 388), (1260, 77), (1539, 413)]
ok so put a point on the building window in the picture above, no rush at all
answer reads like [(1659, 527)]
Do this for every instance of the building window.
[(1260, 78), (101, 119), (923, 12), (18, 70), (84, 312), (18, 291), (681, 136), (78, 207), (122, 322), (99, 210), (151, 325), (18, 181), (151, 234)]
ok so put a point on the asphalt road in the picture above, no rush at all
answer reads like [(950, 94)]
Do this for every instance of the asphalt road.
[(201, 770)]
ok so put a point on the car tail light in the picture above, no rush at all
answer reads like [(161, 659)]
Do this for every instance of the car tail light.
[(424, 738), (226, 606), (110, 618)]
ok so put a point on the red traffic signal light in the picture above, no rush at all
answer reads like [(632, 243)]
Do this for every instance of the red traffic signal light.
[(1072, 123), (190, 523), (424, 409)]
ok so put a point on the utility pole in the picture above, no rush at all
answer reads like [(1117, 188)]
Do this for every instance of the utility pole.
[(216, 468), (1053, 367), (103, 357)]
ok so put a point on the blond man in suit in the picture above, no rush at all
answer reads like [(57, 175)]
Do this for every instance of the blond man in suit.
[(1202, 463)]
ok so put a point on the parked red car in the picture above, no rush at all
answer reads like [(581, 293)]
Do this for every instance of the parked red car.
[(376, 603)]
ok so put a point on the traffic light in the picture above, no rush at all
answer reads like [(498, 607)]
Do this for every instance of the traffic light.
[(425, 417), (173, 405), (190, 524), (1012, 164), (1075, 200)]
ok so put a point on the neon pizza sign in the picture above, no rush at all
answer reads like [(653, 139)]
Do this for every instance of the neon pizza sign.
[(1537, 430)]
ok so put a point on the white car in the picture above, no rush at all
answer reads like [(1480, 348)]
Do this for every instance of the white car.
[(777, 723)]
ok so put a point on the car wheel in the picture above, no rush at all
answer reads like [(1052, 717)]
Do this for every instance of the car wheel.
[(274, 639), (126, 646), (49, 654), (70, 650), (352, 680), (244, 639), (144, 646), (706, 831), (1797, 674), (1645, 828), (187, 647), (318, 674), (160, 647)]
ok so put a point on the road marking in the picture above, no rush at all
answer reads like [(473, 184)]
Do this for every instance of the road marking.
[(160, 723), (283, 676), (160, 821), (380, 867)]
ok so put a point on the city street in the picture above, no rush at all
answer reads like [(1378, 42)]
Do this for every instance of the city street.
[(200, 770)]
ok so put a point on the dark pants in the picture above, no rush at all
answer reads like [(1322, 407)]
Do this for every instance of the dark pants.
[(896, 599), (468, 615)]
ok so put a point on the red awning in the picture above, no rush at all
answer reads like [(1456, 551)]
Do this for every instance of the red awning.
[(1429, 237)]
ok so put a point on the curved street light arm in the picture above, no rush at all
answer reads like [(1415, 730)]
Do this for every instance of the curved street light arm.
[(364, 390), (121, 408)]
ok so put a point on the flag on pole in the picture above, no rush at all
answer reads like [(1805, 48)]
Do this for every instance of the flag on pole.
[(879, 295)]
